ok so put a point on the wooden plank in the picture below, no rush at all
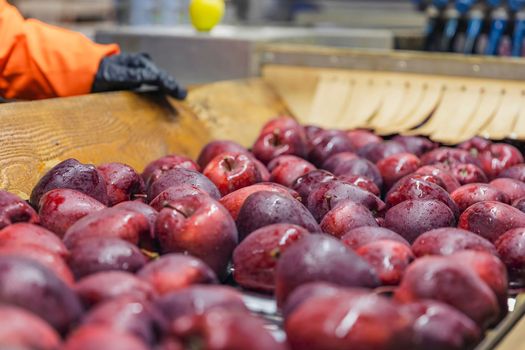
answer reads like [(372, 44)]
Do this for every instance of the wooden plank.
[(126, 127)]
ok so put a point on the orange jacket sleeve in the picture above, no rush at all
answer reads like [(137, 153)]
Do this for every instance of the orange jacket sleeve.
[(38, 60)]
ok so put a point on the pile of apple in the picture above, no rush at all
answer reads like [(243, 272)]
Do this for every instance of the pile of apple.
[(366, 243)]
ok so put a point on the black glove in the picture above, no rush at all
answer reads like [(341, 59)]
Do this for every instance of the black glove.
[(131, 71)]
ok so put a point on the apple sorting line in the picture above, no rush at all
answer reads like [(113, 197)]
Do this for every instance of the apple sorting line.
[(330, 239)]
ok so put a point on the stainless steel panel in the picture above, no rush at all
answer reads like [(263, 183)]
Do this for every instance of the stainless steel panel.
[(228, 52)]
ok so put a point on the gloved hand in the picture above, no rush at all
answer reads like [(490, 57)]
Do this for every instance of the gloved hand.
[(131, 71)]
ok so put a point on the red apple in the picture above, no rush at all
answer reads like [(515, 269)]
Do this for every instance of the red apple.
[(395, 167), (449, 180), (232, 171), (337, 159), (255, 258), (414, 217), (360, 166), (174, 193), (513, 188), (234, 201), (362, 182), (510, 249), (374, 152), (286, 169), (491, 219), (448, 156), (214, 148), (13, 209), (514, 172), (468, 173), (416, 144), (181, 176), (498, 157), (157, 167), (467, 195), (389, 258), (345, 216), (98, 337), (443, 279), (361, 138), (200, 226), (329, 142), (62, 207), (173, 272), (305, 184), (123, 183), (361, 236), (22, 234), (449, 240), (475, 145)]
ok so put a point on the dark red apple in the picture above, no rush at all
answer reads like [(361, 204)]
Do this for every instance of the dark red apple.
[(280, 138), (96, 254), (514, 172), (13, 209), (513, 188), (232, 171), (361, 236), (410, 189), (352, 321), (181, 176), (416, 144), (129, 315), (173, 272), (214, 148), (20, 329), (448, 156), (519, 204), (22, 234), (337, 159), (142, 208), (110, 222), (468, 173), (360, 166), (510, 249), (361, 138), (491, 270), (345, 216), (498, 157), (255, 258), (234, 201), (321, 258), (222, 328), (449, 180), (395, 167), (327, 195), (200, 226), (106, 285), (330, 142), (491, 219), (61, 208), (467, 195), (305, 184), (73, 175), (266, 208), (414, 217), (123, 183), (98, 337), (198, 299), (362, 182), (449, 240), (29, 285), (157, 167), (49, 260), (374, 152), (174, 193), (312, 131), (476, 145), (389, 258), (438, 326), (443, 279), (286, 169)]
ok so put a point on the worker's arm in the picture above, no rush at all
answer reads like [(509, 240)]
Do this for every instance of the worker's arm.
[(38, 60), (41, 61)]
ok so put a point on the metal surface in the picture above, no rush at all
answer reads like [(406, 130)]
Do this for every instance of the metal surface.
[(393, 61), (228, 51)]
